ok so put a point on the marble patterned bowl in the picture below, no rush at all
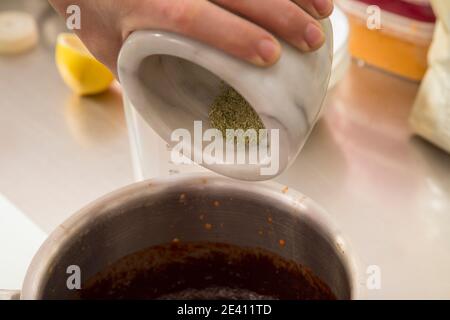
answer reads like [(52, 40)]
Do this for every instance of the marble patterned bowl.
[(171, 80)]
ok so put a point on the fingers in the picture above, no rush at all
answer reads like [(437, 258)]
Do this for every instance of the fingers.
[(213, 25), (282, 17), (319, 9), (242, 28)]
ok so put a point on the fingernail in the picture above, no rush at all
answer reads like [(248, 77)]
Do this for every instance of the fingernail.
[(314, 36), (323, 7), (268, 50)]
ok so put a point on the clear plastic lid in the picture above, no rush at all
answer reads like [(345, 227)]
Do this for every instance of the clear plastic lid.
[(411, 20)]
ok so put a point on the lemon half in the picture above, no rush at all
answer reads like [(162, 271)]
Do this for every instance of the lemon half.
[(79, 69)]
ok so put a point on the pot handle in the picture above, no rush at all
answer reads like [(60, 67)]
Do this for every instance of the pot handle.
[(9, 294)]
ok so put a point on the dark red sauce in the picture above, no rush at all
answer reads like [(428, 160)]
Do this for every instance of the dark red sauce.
[(204, 270)]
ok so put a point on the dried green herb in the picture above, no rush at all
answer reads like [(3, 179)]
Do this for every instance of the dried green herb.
[(230, 110)]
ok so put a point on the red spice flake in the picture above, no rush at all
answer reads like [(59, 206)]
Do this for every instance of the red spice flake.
[(175, 240), (282, 242), (302, 199), (285, 189), (208, 226), (216, 203), (269, 220)]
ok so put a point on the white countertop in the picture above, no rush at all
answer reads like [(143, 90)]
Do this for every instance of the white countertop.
[(58, 151)]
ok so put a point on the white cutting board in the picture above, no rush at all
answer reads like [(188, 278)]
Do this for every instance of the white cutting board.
[(20, 238)]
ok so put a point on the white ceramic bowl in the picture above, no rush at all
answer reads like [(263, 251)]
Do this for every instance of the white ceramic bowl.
[(172, 80)]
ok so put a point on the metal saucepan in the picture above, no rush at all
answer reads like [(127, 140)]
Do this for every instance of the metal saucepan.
[(157, 211)]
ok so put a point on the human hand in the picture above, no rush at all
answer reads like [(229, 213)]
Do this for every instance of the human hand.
[(243, 28)]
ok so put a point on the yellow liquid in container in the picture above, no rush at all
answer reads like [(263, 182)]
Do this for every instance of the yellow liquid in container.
[(399, 46), (388, 52)]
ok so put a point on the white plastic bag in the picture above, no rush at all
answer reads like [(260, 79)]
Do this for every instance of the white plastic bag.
[(430, 116)]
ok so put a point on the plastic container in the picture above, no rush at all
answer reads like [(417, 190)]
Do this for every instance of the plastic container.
[(401, 42)]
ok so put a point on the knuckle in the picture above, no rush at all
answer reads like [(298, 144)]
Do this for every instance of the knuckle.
[(289, 20), (180, 13)]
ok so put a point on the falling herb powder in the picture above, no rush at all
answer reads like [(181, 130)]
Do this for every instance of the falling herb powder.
[(230, 110)]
